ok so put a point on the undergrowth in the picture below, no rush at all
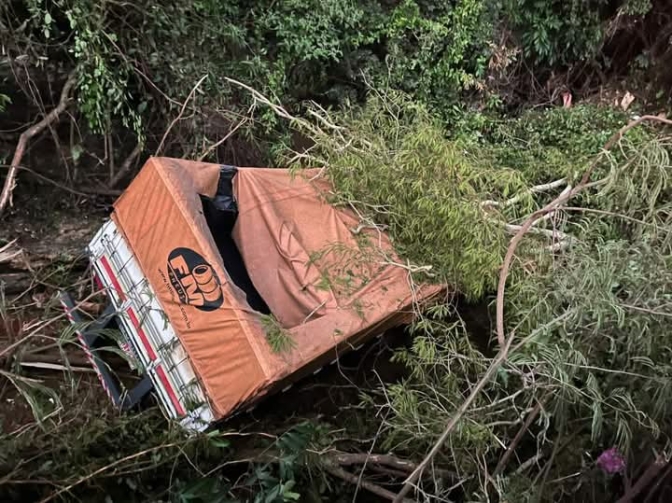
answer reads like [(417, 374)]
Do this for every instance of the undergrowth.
[(138, 457)]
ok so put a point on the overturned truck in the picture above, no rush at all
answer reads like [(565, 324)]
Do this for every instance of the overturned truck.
[(228, 284)]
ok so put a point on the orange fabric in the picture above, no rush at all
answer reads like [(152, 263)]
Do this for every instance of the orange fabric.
[(329, 283), (158, 214)]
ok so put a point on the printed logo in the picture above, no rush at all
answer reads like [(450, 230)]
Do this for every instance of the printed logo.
[(194, 280)]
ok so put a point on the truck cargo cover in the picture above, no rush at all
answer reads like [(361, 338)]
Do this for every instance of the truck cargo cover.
[(329, 280)]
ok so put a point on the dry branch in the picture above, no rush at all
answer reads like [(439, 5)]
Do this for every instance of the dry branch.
[(27, 135), (403, 465), (226, 137), (126, 166), (179, 116), (516, 440), (369, 486)]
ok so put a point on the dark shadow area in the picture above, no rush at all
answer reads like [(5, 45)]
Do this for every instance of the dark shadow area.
[(221, 213)]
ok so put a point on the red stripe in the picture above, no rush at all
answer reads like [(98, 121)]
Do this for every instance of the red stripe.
[(113, 278), (141, 333), (99, 283), (171, 393)]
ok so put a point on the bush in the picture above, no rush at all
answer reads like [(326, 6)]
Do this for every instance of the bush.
[(138, 62)]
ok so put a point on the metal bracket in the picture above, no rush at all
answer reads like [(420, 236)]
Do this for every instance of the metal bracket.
[(89, 335)]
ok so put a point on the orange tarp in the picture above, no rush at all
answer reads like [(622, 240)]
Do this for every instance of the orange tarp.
[(328, 280)]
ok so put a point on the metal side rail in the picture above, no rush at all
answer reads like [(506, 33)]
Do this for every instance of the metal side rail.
[(148, 336), (90, 339)]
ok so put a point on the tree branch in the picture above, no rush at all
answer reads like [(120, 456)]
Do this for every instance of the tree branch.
[(369, 486), (404, 465), (179, 115), (642, 482), (532, 190), (126, 166), (516, 440), (226, 137), (562, 198), (27, 135)]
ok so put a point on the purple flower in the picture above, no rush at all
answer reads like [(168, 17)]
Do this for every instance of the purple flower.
[(611, 461)]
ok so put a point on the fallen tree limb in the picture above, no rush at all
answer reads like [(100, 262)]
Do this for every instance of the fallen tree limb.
[(26, 136), (404, 465), (339, 472), (417, 473), (532, 190), (552, 206), (504, 342), (516, 440), (643, 482)]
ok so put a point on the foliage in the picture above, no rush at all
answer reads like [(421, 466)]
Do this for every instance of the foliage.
[(557, 31), (589, 321), (587, 311), (393, 161), (276, 486), (4, 101), (549, 144), (279, 339), (437, 51), (139, 458), (137, 63)]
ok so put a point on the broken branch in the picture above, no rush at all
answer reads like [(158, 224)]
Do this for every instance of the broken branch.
[(369, 486), (126, 165)]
